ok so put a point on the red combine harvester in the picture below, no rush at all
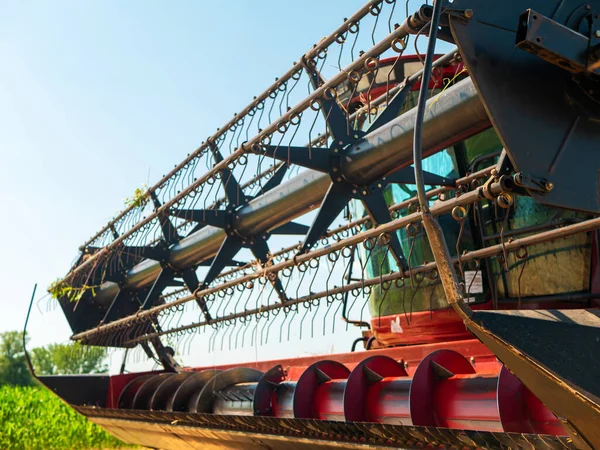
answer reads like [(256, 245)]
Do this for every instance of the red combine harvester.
[(483, 289)]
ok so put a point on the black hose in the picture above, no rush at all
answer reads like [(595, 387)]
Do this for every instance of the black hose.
[(370, 342), (356, 341), (418, 134)]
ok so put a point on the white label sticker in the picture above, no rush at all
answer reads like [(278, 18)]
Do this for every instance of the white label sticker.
[(395, 326), (473, 282)]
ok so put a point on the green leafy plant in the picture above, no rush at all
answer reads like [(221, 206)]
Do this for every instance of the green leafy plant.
[(139, 198), (34, 418), (60, 288)]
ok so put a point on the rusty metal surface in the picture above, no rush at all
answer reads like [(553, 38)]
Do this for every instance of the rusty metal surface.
[(171, 430)]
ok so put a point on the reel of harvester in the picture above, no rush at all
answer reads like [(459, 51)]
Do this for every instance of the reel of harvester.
[(478, 267)]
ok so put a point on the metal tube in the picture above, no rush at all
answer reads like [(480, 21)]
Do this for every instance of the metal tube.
[(468, 402), (451, 116), (235, 400), (328, 401)]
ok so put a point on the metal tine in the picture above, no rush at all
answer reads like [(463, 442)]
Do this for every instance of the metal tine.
[(335, 315), (314, 318), (296, 311), (307, 307), (263, 337), (188, 342), (240, 327), (285, 317), (274, 314), (224, 332), (212, 338), (315, 270), (329, 305), (246, 328), (230, 329), (362, 310)]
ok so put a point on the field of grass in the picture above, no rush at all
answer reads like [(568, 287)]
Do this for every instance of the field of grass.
[(34, 418)]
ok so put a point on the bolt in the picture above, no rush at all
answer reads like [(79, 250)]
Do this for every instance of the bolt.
[(597, 33), (472, 359), (354, 191), (549, 186), (468, 13), (588, 7), (335, 169), (379, 185)]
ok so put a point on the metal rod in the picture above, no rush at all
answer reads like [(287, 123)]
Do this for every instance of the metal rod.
[(25, 351), (450, 117), (532, 229)]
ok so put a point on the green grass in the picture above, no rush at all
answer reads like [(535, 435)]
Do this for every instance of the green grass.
[(34, 418)]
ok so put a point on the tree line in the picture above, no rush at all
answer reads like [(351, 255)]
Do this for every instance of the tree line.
[(53, 359)]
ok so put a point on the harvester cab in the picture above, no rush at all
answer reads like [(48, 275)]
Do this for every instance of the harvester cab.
[(469, 188)]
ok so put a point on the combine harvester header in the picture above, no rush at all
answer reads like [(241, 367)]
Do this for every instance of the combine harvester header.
[(456, 197)]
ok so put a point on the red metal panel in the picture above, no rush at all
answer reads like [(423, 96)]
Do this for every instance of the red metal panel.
[(441, 325)]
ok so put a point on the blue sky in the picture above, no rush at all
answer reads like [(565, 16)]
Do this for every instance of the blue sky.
[(98, 98)]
